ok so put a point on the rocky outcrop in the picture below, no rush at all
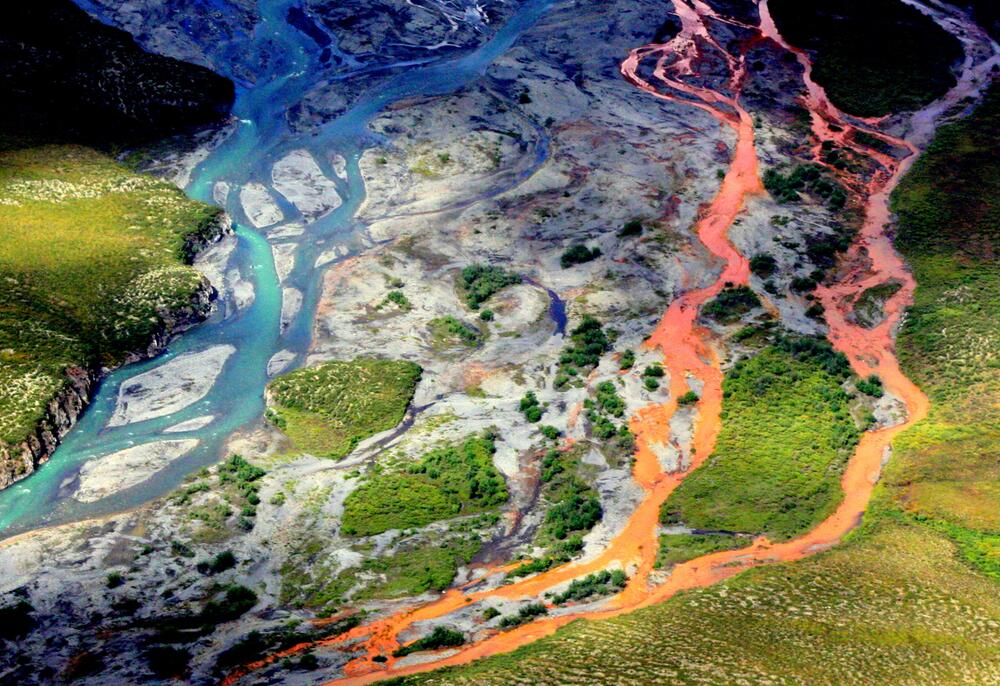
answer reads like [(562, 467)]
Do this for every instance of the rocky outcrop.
[(67, 76), (20, 460)]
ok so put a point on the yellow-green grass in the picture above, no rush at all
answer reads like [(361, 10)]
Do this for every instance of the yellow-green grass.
[(328, 409), (92, 256), (893, 608), (787, 432), (946, 469)]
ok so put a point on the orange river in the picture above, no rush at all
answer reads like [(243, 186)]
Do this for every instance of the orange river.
[(689, 353)]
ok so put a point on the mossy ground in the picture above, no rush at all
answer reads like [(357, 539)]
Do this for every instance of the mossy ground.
[(91, 256), (328, 409)]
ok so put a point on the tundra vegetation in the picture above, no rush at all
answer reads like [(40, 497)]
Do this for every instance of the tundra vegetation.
[(329, 408), (71, 218)]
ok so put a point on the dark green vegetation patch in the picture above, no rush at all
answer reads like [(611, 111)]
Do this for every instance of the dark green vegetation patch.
[(587, 343), (479, 282), (872, 56), (787, 432), (730, 304), (328, 409), (440, 637), (447, 482), (606, 582)]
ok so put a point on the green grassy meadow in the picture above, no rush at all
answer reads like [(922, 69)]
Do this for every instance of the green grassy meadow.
[(329, 408)]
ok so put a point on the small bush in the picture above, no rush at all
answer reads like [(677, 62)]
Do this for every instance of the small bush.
[(479, 282), (871, 386), (114, 580), (524, 615), (689, 398), (236, 601), (731, 304), (550, 432), (602, 583), (530, 407), (631, 228), (578, 254), (627, 360), (763, 265)]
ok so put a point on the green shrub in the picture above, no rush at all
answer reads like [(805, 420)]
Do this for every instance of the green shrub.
[(763, 265), (602, 583), (731, 304), (810, 178), (114, 580), (525, 614), (689, 398), (236, 601), (608, 399), (627, 360), (578, 254), (587, 343), (550, 432), (631, 228), (440, 637), (447, 331), (530, 407), (397, 298), (479, 282)]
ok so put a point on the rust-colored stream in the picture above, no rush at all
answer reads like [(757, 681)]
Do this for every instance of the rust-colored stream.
[(689, 354)]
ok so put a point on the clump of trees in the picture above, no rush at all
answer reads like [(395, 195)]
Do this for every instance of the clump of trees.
[(480, 281)]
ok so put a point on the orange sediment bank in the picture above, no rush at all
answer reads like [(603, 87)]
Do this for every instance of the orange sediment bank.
[(688, 353)]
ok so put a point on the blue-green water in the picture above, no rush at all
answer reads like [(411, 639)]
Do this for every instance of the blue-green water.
[(287, 61)]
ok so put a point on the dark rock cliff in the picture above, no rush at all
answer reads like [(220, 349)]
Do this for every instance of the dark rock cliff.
[(67, 77)]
